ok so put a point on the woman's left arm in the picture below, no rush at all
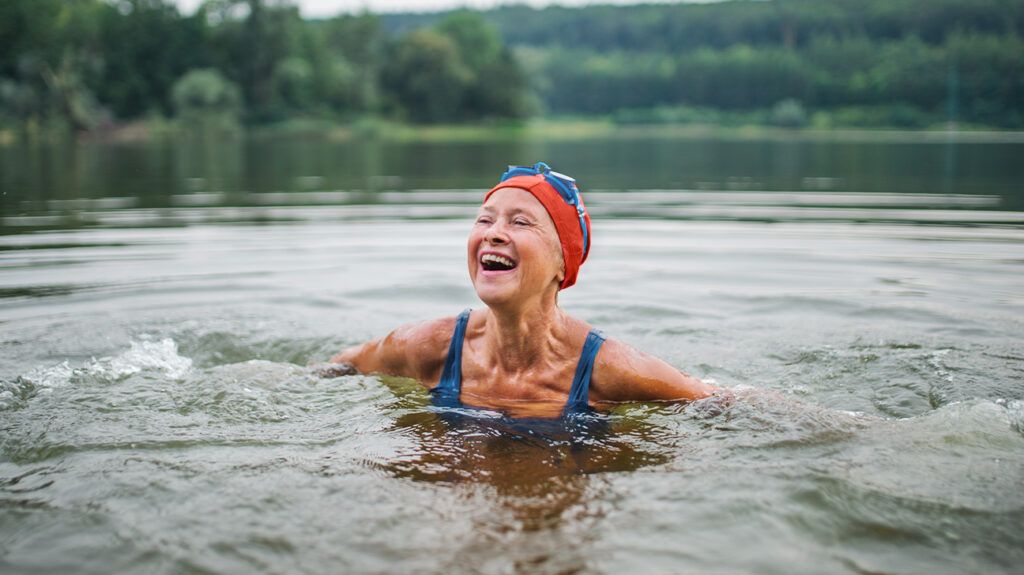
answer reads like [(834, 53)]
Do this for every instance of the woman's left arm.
[(623, 374)]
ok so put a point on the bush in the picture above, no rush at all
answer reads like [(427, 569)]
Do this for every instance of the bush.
[(892, 116), (789, 113), (666, 115), (205, 96)]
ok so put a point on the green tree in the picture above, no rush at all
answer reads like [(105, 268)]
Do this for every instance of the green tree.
[(146, 46), (48, 57), (502, 89), (496, 86), (989, 77), (355, 46), (426, 77), (478, 41), (294, 85), (249, 40), (205, 95), (789, 113), (867, 62)]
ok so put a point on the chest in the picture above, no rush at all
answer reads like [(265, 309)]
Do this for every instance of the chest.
[(544, 382)]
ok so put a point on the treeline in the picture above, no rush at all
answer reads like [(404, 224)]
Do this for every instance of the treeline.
[(969, 77), (672, 28), (791, 62), (857, 62), (87, 63)]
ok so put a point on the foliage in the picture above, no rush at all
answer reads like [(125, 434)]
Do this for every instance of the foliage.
[(458, 70), (921, 66), (921, 62), (205, 94), (789, 113), (885, 116), (355, 46), (427, 76), (905, 63), (794, 24), (497, 86), (145, 46), (48, 59)]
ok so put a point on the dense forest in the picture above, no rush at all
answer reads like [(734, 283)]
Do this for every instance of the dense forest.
[(905, 63)]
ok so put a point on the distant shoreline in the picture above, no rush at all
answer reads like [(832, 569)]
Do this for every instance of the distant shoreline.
[(535, 129)]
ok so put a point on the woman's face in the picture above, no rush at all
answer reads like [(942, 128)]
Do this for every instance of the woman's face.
[(513, 250)]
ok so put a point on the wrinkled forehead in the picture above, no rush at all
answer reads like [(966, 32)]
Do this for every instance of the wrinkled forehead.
[(515, 199)]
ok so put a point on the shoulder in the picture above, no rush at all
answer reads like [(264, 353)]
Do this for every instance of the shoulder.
[(623, 373), (424, 336), (420, 348), (415, 350)]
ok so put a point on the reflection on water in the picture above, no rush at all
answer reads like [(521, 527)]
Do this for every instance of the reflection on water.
[(538, 468), (541, 472), (176, 182)]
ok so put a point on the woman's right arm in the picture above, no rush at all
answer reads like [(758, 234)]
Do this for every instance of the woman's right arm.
[(413, 350)]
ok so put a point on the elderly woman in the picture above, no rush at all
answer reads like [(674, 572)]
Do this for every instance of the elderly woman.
[(522, 354)]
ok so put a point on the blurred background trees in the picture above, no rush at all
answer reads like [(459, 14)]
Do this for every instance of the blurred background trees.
[(85, 64), (205, 98)]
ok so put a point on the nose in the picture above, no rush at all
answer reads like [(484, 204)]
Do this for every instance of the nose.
[(496, 233)]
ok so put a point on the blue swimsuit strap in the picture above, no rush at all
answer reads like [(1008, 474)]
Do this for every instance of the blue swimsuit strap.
[(451, 377), (579, 393), (450, 386)]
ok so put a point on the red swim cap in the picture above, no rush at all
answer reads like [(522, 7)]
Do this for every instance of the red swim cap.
[(565, 217)]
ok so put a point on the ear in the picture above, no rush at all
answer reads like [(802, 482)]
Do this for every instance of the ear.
[(561, 265)]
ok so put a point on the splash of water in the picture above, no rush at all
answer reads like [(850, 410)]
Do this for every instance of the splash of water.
[(159, 356), (142, 356)]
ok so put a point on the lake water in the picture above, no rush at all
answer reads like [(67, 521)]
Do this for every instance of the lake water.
[(161, 303)]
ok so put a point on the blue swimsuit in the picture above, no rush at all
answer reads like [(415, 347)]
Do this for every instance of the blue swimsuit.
[(446, 394)]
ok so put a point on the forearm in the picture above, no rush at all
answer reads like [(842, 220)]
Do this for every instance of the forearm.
[(364, 358), (348, 355), (383, 355)]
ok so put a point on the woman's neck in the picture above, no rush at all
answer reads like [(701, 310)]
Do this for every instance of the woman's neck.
[(523, 337)]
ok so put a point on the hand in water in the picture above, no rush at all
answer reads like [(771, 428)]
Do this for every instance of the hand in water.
[(712, 406), (332, 370)]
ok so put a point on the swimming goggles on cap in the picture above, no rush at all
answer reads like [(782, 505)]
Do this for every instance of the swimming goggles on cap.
[(563, 184)]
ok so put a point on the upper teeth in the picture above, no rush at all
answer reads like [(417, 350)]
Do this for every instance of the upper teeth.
[(496, 259)]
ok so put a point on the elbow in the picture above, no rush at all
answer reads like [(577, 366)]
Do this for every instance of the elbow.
[(350, 357), (342, 357), (365, 358)]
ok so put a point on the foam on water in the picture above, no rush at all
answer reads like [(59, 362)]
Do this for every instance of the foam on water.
[(157, 357), (1014, 412), (160, 356), (40, 379)]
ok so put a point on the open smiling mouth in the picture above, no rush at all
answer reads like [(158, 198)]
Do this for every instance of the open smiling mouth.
[(496, 263)]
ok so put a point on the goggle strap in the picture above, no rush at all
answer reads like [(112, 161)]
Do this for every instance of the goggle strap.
[(586, 236), (514, 171)]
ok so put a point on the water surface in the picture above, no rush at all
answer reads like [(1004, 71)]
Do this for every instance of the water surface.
[(161, 305)]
